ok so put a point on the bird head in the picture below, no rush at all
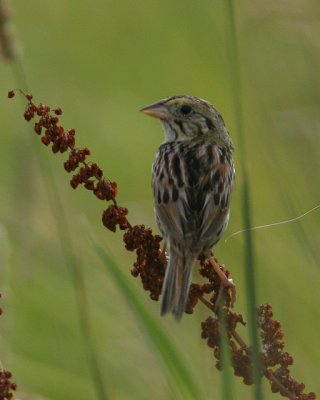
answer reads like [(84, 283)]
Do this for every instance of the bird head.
[(186, 118)]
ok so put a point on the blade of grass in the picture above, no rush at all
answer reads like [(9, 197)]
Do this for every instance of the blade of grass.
[(171, 358), (227, 376), (246, 202), (75, 267)]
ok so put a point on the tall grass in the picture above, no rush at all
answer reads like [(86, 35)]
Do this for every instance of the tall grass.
[(246, 203)]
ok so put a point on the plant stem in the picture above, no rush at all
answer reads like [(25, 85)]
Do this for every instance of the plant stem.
[(246, 202)]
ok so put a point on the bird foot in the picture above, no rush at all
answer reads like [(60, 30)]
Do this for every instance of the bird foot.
[(225, 283)]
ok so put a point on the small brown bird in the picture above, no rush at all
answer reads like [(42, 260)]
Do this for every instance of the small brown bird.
[(192, 179)]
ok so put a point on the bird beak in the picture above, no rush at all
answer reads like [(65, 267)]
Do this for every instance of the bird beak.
[(157, 110)]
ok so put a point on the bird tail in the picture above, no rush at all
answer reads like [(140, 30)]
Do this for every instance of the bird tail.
[(176, 284)]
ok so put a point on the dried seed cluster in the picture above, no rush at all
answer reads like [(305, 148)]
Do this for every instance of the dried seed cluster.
[(239, 351), (113, 216), (151, 261), (7, 387), (275, 360), (88, 174)]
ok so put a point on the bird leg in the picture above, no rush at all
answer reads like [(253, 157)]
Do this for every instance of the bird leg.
[(224, 282), (164, 247)]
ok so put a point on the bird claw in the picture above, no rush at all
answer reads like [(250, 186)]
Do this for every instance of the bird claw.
[(225, 283), (233, 292), (231, 285)]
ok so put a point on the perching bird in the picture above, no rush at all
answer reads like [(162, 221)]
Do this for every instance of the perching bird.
[(192, 179)]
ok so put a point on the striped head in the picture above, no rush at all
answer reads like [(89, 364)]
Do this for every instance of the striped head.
[(186, 118)]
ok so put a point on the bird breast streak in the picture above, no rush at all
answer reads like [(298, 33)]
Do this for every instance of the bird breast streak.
[(197, 166)]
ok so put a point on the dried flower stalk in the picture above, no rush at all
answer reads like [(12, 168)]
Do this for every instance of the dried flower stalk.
[(8, 45)]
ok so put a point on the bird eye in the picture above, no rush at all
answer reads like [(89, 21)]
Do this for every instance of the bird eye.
[(185, 109)]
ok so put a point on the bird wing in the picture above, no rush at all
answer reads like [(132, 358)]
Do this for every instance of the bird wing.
[(192, 184)]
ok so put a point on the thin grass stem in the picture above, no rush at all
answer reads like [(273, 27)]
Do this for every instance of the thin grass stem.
[(246, 201), (227, 381)]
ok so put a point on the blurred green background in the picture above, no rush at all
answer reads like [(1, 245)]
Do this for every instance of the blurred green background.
[(101, 61)]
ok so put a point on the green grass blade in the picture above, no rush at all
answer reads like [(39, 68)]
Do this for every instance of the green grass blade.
[(74, 264), (234, 58), (179, 374), (227, 375), (251, 293)]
